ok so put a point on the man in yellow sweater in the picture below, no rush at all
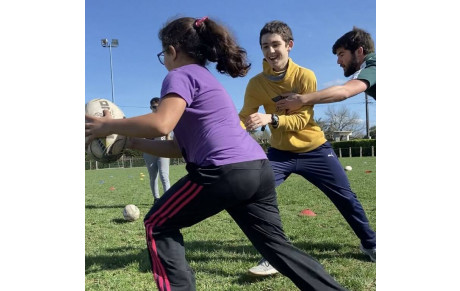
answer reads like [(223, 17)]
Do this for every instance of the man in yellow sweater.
[(297, 143)]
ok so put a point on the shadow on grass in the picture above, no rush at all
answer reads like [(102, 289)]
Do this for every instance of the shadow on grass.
[(247, 278), (198, 251), (207, 251), (115, 206), (118, 259), (104, 206), (321, 251), (120, 221)]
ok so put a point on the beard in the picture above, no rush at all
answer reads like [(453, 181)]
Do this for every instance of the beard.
[(352, 67)]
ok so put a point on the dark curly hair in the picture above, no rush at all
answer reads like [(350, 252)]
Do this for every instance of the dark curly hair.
[(206, 41)]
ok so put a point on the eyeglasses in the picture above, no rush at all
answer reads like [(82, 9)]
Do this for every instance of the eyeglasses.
[(161, 57)]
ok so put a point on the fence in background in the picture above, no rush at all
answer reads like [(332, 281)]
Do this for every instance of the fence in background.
[(125, 162), (131, 162), (355, 152)]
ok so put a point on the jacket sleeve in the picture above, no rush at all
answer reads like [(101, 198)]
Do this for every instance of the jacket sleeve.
[(251, 102), (295, 121)]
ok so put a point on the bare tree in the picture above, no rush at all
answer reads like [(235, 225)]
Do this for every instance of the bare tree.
[(262, 137), (321, 123), (341, 119)]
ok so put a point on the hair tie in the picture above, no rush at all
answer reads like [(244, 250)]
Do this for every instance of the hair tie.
[(198, 22)]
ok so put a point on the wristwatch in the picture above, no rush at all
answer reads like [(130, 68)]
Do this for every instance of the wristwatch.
[(275, 121)]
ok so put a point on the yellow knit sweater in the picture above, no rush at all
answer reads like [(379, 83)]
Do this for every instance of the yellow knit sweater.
[(297, 132)]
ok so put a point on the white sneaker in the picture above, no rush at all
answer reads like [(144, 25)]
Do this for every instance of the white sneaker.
[(263, 268), (372, 253)]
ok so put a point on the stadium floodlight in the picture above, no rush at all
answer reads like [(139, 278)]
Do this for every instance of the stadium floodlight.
[(114, 43)]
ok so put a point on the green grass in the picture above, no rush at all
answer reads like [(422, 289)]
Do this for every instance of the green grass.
[(217, 250)]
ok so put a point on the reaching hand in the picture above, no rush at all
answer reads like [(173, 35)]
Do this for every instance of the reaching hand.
[(256, 120), (96, 127), (291, 103)]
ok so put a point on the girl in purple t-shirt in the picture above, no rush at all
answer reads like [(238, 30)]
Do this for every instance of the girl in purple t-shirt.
[(227, 169)]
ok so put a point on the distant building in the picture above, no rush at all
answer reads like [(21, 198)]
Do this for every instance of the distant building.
[(339, 135)]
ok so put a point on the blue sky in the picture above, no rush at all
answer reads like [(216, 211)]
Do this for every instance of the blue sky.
[(51, 59), (137, 74)]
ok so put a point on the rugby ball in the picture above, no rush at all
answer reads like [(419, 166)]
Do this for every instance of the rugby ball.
[(131, 212), (110, 148)]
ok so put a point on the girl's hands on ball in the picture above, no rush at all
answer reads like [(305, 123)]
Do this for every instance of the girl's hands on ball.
[(130, 142), (97, 126)]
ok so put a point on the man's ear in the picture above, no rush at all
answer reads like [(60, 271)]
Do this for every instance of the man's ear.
[(290, 45), (360, 51)]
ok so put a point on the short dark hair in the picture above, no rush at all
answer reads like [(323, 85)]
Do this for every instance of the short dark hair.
[(352, 40), (154, 100), (277, 27)]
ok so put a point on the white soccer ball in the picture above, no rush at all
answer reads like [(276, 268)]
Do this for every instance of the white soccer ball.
[(131, 212), (348, 168), (110, 148)]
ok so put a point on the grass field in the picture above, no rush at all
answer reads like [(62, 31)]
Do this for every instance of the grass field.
[(115, 250)]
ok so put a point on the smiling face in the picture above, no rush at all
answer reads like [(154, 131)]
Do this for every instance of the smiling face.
[(276, 51)]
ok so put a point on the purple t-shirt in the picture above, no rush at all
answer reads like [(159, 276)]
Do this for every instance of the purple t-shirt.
[(209, 131)]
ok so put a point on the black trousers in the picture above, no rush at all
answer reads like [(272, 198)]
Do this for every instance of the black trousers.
[(247, 192)]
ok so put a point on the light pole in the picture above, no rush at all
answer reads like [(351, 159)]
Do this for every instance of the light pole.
[(114, 43), (368, 136)]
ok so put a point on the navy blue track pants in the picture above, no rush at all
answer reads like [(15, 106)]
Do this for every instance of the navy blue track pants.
[(247, 192), (322, 168)]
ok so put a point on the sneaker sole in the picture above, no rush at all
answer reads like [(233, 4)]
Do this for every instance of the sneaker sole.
[(263, 273)]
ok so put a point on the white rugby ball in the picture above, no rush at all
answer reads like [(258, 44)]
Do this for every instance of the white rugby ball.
[(110, 148), (348, 168), (131, 212)]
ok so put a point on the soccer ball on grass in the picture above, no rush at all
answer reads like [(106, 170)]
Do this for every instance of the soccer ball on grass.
[(131, 212)]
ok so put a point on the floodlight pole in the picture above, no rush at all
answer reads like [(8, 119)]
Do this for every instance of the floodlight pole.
[(368, 136), (111, 70), (113, 43)]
